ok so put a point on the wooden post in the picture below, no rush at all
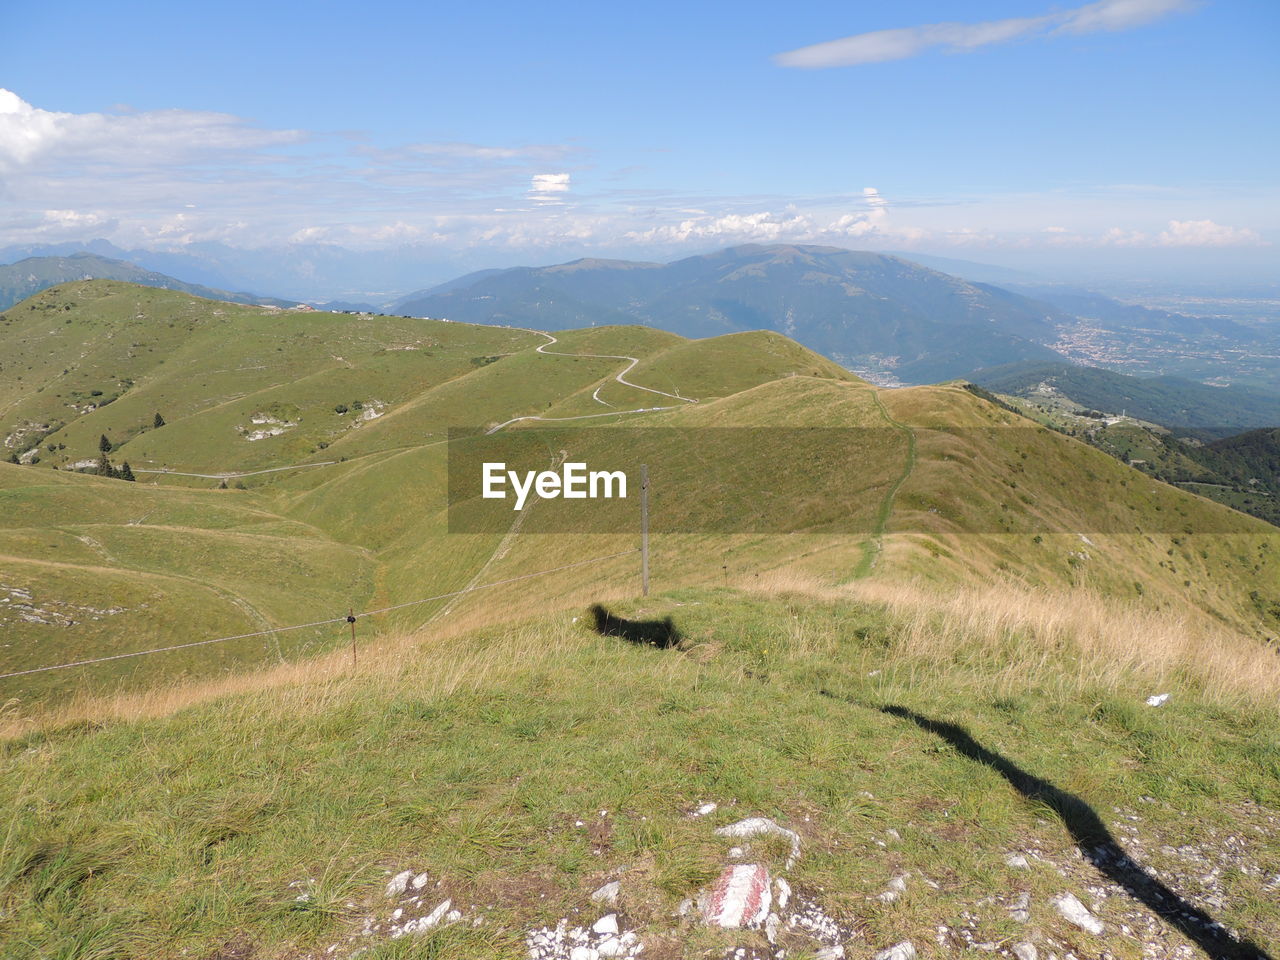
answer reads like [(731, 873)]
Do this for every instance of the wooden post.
[(644, 529), (351, 619)]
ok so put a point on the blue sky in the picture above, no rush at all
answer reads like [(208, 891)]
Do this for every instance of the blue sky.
[(1008, 131)]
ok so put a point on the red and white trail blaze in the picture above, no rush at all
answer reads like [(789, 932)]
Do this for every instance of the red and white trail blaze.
[(740, 897)]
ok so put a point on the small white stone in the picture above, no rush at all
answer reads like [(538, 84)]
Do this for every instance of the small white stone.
[(435, 916), (1020, 912), (420, 881), (1016, 860), (583, 953), (1076, 912), (830, 953), (1157, 700), (771, 927), (608, 893), (613, 947), (897, 887), (784, 892), (899, 951), (399, 883), (736, 853), (606, 924), (1025, 951), (706, 808)]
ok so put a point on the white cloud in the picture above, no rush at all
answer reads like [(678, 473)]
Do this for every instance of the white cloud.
[(1116, 237), (1206, 233), (873, 198), (550, 183), (548, 188), (30, 135), (879, 46), (1112, 15)]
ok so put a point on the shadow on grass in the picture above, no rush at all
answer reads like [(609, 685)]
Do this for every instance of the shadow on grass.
[(646, 633), (1097, 844)]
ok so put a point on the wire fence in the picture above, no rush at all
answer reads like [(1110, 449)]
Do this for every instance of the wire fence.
[(317, 623)]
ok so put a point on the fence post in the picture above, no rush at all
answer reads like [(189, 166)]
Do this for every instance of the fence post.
[(351, 619), (644, 529)]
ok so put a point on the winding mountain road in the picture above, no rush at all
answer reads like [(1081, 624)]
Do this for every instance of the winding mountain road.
[(619, 377)]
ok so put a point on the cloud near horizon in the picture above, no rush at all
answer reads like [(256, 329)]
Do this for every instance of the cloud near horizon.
[(879, 46), (170, 178)]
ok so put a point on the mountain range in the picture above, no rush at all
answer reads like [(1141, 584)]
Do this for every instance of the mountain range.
[(919, 324), (33, 274)]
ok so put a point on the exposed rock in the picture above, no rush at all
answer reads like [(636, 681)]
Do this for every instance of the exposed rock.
[(1020, 911), (899, 951), (399, 883), (1025, 951), (783, 892), (608, 893), (1076, 912), (763, 826), (1157, 700), (606, 924), (897, 887)]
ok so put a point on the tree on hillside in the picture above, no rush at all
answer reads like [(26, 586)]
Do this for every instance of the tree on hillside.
[(126, 473), (104, 445), (105, 469), (159, 421)]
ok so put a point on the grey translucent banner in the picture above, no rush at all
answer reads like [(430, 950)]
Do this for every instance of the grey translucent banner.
[(828, 480)]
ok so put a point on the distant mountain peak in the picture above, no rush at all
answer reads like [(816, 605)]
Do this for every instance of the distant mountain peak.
[(859, 308)]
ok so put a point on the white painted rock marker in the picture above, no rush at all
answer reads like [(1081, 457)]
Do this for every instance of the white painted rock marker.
[(739, 898)]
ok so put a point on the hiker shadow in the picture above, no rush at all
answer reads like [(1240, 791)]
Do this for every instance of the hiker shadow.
[(646, 633), (1097, 844)]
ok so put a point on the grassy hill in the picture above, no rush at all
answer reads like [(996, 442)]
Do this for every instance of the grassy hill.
[(970, 489), (923, 640), (920, 325)]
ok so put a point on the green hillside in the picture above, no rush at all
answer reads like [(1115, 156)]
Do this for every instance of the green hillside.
[(1182, 405), (522, 768), (972, 490), (920, 634)]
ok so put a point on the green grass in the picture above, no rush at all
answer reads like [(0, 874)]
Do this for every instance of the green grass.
[(474, 760)]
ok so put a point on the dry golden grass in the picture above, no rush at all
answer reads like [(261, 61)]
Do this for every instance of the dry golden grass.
[(438, 661), (1009, 637), (999, 636)]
